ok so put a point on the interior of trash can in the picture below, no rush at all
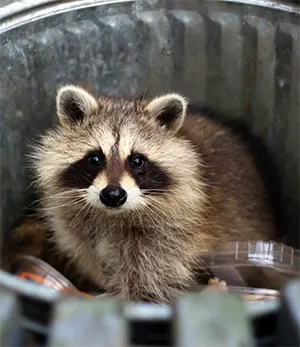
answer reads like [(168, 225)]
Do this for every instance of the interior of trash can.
[(242, 59)]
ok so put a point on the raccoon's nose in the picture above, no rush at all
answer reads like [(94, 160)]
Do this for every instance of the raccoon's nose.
[(112, 196)]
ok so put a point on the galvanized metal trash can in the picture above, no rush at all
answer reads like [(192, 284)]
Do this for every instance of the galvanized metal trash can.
[(241, 57)]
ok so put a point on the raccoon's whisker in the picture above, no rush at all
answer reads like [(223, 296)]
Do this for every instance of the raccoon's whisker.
[(158, 217), (77, 215), (152, 217), (53, 207), (58, 195), (152, 204), (155, 190), (160, 206), (150, 198), (141, 222), (151, 214), (146, 210), (156, 211), (153, 211), (73, 190), (154, 193), (73, 196), (70, 203), (59, 198), (66, 201)]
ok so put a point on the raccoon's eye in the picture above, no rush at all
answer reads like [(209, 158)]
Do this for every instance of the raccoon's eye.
[(138, 161), (95, 159)]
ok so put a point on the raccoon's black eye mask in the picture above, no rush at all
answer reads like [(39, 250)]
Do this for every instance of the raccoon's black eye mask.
[(82, 173), (148, 175)]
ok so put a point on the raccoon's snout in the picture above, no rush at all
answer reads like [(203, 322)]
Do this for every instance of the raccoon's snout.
[(112, 196)]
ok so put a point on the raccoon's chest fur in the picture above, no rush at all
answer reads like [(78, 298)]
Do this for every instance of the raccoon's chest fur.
[(131, 260)]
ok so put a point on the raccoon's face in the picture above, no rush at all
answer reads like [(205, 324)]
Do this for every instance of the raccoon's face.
[(117, 155)]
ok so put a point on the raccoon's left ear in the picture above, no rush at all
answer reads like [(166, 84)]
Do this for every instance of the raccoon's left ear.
[(169, 110), (73, 104)]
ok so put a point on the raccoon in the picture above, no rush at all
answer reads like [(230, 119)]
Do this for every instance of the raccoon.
[(134, 191)]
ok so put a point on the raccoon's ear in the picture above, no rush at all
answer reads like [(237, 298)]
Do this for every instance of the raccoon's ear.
[(73, 103), (169, 110)]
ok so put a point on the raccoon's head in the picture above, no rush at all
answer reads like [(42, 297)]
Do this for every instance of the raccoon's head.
[(117, 155)]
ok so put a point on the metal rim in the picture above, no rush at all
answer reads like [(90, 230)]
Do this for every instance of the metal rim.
[(22, 12), (291, 7), (18, 14)]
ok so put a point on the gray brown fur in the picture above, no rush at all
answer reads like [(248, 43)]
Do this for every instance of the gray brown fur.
[(149, 249)]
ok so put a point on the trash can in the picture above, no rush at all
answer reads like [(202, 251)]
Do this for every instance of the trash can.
[(239, 57)]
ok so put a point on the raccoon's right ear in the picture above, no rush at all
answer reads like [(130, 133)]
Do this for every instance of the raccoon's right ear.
[(73, 103)]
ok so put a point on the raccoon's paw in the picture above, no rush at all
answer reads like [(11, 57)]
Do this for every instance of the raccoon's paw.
[(214, 284)]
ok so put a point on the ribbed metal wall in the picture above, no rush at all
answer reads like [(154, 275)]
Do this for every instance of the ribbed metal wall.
[(242, 59)]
